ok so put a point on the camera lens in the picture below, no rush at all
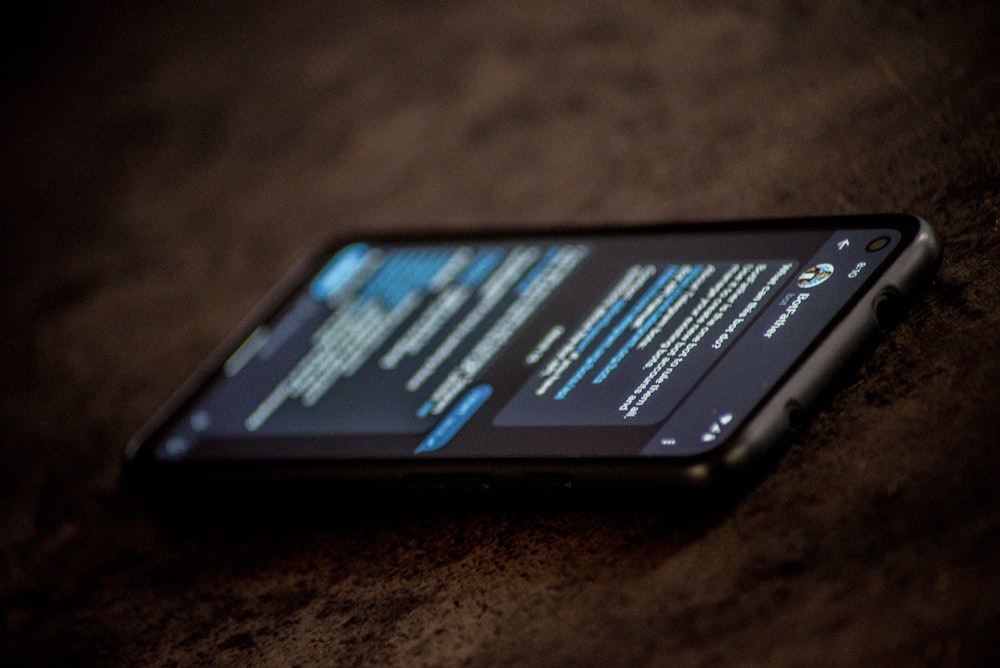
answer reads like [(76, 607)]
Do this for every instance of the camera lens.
[(877, 244)]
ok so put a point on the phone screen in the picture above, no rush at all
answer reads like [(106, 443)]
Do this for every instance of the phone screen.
[(655, 343)]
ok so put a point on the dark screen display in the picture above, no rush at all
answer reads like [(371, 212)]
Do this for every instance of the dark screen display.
[(655, 344)]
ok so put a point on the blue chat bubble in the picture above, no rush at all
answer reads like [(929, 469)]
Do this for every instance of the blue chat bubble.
[(339, 272), (455, 419)]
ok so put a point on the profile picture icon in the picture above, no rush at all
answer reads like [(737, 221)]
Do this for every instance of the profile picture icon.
[(815, 275)]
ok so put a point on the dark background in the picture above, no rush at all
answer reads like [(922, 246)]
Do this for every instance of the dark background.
[(163, 164)]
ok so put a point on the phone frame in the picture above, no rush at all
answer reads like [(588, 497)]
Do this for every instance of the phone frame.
[(870, 311)]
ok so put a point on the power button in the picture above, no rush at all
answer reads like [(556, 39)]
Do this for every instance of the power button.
[(888, 307)]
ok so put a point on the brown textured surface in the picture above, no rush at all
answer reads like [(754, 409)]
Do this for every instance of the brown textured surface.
[(163, 165)]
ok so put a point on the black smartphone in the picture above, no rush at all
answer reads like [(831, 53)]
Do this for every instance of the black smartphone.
[(663, 354)]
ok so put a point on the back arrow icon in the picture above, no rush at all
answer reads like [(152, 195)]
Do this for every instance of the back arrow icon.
[(843, 243)]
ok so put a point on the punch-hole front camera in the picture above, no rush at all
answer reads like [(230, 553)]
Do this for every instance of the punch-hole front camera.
[(877, 244)]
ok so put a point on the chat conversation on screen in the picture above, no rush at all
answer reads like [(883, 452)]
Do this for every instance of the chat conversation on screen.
[(392, 340), (648, 340)]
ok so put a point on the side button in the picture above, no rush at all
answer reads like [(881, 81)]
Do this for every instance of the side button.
[(549, 482), (795, 415), (469, 484), (888, 307), (425, 484)]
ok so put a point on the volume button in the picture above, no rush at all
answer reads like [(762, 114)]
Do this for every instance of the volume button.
[(469, 484)]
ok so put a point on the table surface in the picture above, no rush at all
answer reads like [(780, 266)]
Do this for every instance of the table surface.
[(163, 165)]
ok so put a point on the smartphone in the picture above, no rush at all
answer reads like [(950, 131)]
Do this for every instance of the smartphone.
[(659, 355)]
